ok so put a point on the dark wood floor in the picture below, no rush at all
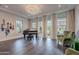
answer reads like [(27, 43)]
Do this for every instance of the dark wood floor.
[(30, 47)]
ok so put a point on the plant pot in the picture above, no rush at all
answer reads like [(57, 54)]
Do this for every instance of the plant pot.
[(77, 46)]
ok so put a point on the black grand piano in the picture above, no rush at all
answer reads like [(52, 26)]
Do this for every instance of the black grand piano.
[(30, 33)]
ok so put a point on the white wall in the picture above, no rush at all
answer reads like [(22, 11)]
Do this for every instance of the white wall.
[(11, 18), (76, 19)]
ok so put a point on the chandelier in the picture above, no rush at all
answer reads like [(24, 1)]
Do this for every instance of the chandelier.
[(33, 9)]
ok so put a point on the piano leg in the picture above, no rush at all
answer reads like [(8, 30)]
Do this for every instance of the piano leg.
[(36, 36), (24, 36)]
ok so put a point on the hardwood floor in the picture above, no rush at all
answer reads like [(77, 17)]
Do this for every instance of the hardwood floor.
[(30, 47)]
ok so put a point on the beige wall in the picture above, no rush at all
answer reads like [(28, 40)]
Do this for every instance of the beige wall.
[(77, 19), (11, 18)]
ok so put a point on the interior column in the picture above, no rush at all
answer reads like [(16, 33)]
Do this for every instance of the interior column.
[(54, 26), (44, 26)]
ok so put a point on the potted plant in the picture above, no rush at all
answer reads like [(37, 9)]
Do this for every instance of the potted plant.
[(77, 44)]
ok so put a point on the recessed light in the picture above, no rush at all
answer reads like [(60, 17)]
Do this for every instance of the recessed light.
[(6, 6), (59, 5)]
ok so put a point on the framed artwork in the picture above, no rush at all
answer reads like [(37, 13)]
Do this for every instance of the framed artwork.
[(6, 27)]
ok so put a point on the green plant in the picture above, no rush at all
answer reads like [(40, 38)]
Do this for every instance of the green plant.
[(77, 43)]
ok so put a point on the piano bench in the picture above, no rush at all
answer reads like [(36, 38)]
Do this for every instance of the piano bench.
[(29, 36)]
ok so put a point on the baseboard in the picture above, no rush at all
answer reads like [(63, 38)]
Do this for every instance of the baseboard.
[(18, 37)]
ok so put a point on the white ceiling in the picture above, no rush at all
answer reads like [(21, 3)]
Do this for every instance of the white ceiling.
[(20, 9)]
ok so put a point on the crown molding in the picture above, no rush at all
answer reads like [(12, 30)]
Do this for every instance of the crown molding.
[(13, 13)]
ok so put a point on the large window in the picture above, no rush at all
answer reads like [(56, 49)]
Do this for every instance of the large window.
[(61, 23), (19, 25), (33, 24), (39, 24), (48, 25)]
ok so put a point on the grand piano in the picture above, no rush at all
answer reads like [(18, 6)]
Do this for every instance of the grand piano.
[(30, 33)]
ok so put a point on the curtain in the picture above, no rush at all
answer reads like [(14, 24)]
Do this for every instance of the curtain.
[(36, 21), (71, 21)]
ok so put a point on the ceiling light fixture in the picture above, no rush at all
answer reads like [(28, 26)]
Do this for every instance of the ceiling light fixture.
[(59, 5), (6, 6), (33, 9)]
